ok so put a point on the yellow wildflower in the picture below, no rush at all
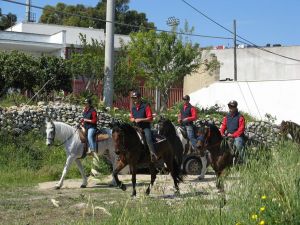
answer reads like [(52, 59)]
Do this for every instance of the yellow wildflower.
[(262, 208), (254, 217), (262, 222), (238, 223), (263, 197)]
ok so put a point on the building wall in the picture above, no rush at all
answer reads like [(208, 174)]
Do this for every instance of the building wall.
[(72, 33), (266, 83), (277, 98)]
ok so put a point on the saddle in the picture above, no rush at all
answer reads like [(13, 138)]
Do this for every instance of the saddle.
[(99, 135), (184, 132), (156, 138)]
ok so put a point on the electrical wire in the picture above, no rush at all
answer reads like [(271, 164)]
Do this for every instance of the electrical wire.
[(119, 23), (247, 41)]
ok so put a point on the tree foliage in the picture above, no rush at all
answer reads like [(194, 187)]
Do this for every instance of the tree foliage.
[(56, 69), (63, 14), (25, 72), (7, 21), (163, 59), (89, 63)]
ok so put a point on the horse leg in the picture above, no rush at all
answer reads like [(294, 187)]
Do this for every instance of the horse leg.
[(69, 161), (153, 173), (84, 178), (133, 180), (119, 167), (204, 167), (172, 167)]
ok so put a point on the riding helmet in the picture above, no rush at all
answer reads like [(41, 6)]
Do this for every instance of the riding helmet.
[(135, 94), (233, 103)]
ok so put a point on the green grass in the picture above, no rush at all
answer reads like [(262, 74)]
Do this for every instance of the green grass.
[(264, 191), (26, 160)]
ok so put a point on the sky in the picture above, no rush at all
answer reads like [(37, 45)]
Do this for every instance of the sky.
[(259, 21)]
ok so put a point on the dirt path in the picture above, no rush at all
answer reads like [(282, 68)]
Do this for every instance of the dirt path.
[(163, 185)]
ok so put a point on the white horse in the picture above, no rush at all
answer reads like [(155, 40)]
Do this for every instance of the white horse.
[(69, 137), (187, 145)]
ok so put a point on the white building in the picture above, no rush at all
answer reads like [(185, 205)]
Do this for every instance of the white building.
[(50, 39), (266, 83)]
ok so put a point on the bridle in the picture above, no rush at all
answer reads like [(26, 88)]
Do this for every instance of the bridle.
[(121, 146), (53, 136)]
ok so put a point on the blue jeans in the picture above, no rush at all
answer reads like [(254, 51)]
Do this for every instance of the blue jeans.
[(149, 141), (191, 135), (92, 139), (239, 145)]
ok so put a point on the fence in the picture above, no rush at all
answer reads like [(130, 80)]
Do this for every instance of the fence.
[(175, 94)]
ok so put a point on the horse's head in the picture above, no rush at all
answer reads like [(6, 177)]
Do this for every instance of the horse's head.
[(165, 127), (202, 134), (50, 132), (160, 125), (118, 137)]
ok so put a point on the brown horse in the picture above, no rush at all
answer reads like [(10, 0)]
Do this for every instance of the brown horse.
[(210, 138), (132, 152), (167, 129), (290, 129)]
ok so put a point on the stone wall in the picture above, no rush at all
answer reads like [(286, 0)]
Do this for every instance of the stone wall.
[(25, 118)]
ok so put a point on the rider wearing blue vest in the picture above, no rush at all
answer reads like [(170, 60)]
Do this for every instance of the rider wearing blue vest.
[(187, 115), (90, 124), (141, 114), (233, 125)]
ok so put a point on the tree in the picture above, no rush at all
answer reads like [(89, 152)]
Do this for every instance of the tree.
[(19, 71), (62, 14), (89, 63), (7, 21), (51, 67), (163, 59)]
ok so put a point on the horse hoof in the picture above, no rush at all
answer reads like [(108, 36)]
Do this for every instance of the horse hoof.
[(123, 187), (57, 187), (83, 186), (147, 192)]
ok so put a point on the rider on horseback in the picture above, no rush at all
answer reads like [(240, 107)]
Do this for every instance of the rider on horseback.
[(187, 115), (141, 114), (233, 126), (90, 124)]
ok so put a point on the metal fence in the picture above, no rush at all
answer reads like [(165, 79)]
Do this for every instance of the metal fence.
[(175, 94)]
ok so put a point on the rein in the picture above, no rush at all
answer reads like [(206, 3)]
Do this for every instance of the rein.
[(58, 145)]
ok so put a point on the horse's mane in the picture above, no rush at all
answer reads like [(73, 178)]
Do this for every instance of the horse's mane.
[(216, 130), (127, 128), (170, 128)]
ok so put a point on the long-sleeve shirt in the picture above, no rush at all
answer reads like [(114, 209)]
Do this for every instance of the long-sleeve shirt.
[(93, 115), (193, 116), (238, 132), (148, 112)]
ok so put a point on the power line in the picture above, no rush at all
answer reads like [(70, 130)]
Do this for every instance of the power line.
[(248, 42), (119, 23)]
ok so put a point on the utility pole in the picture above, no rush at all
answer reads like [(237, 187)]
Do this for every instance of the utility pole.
[(108, 89), (28, 10), (234, 51)]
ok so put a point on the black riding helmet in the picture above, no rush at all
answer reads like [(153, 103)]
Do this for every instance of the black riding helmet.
[(135, 94), (88, 101)]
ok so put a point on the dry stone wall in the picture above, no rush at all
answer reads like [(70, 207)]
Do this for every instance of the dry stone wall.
[(28, 117)]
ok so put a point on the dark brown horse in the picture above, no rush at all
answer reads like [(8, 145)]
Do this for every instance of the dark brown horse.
[(291, 130), (210, 138), (167, 129), (132, 152)]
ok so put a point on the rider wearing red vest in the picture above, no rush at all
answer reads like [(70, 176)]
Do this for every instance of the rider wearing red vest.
[(90, 124), (187, 115), (141, 114), (233, 125)]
